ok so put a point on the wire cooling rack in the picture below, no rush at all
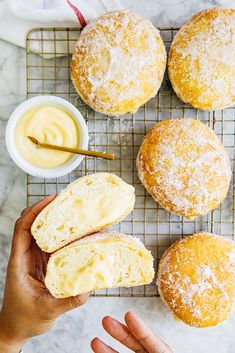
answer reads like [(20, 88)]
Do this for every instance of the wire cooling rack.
[(48, 72)]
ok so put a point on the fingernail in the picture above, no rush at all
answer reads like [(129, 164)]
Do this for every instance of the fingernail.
[(50, 196)]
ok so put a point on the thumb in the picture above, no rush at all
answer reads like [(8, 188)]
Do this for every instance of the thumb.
[(67, 304)]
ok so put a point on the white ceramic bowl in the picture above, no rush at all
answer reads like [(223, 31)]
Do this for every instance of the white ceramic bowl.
[(57, 172)]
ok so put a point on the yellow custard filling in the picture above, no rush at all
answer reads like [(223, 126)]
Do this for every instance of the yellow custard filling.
[(48, 124)]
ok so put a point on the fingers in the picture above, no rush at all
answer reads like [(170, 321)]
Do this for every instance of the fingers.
[(79, 300), (99, 346), (122, 334), (135, 336), (67, 304), (22, 237), (151, 342)]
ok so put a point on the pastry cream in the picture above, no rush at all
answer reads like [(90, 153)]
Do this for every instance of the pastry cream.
[(48, 124), (84, 211), (98, 273)]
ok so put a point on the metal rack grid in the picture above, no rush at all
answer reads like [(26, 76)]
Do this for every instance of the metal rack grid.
[(49, 73)]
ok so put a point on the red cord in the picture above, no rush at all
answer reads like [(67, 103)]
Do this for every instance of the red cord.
[(78, 13)]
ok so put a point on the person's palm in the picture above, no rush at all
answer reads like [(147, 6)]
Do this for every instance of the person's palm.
[(36, 261)]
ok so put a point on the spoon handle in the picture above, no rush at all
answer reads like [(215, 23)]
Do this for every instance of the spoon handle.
[(103, 155)]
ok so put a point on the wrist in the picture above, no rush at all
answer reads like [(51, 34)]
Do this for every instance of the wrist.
[(9, 343)]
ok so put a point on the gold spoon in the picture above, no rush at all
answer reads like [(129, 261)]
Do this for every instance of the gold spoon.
[(104, 155)]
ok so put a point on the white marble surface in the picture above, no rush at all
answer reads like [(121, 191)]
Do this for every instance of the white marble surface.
[(74, 331)]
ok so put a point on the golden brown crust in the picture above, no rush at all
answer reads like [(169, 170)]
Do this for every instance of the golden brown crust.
[(118, 63), (184, 167), (196, 279), (201, 60)]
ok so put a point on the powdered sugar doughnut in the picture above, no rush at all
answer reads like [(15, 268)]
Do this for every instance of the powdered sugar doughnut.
[(201, 62), (118, 63), (184, 166), (196, 279)]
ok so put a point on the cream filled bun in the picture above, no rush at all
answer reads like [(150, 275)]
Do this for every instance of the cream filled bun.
[(118, 63), (196, 279), (88, 205), (99, 261), (184, 166), (201, 63)]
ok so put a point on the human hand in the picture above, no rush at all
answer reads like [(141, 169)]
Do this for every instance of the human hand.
[(28, 308), (135, 335)]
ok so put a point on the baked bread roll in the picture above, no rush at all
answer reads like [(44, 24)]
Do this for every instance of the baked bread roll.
[(118, 63), (196, 279), (99, 261), (89, 204), (201, 61), (184, 166)]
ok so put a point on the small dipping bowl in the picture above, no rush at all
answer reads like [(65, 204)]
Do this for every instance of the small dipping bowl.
[(19, 112)]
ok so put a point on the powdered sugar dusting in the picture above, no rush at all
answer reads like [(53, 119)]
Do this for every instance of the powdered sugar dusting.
[(184, 166), (202, 57), (196, 279), (119, 57)]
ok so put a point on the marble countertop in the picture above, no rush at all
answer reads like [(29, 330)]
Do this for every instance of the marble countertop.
[(74, 330)]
